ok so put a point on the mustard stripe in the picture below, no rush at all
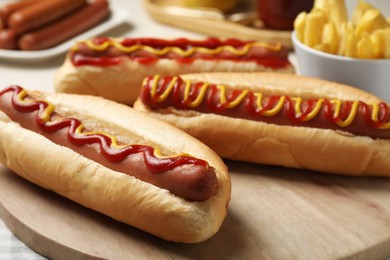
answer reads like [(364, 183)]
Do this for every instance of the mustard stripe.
[(114, 141), (298, 106), (49, 110), (375, 111), (166, 92), (199, 98), (337, 104), (238, 100), (46, 113), (234, 103), (259, 100), (22, 94), (351, 116), (158, 154), (154, 85), (222, 96), (315, 111), (337, 107), (45, 116), (165, 95), (115, 145), (185, 53), (375, 114), (276, 109)]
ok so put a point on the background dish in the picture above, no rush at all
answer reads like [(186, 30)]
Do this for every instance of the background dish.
[(117, 17), (212, 22), (370, 75)]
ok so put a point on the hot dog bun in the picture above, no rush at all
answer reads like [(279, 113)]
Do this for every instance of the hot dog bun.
[(124, 63), (120, 196), (324, 150)]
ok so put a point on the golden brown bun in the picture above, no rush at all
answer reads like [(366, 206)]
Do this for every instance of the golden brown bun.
[(121, 83), (290, 146), (117, 195)]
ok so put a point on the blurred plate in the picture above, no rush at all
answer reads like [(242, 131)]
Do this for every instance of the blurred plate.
[(212, 22), (117, 17)]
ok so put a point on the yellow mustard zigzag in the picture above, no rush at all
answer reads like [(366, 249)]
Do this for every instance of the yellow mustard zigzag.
[(259, 102)]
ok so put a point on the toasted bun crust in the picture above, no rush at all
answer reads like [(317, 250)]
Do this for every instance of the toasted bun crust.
[(121, 83), (290, 146), (117, 195)]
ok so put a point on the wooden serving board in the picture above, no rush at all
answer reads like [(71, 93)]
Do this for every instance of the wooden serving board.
[(210, 22), (275, 213)]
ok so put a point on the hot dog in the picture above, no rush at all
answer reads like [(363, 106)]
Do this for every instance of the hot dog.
[(7, 10), (8, 39), (114, 68), (107, 157), (285, 120), (40, 13), (66, 28)]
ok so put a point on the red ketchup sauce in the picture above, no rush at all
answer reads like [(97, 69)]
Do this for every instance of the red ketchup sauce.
[(153, 163), (87, 56), (362, 124)]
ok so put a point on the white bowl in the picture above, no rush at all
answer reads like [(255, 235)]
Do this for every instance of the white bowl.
[(370, 75)]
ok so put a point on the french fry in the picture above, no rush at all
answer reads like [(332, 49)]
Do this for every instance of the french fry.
[(371, 21), (326, 28), (315, 22), (386, 43), (381, 42), (378, 48), (300, 26), (351, 48), (365, 47), (359, 10), (330, 37), (345, 31), (335, 9)]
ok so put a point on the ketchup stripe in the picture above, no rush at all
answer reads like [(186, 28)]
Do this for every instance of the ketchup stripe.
[(105, 142), (97, 52)]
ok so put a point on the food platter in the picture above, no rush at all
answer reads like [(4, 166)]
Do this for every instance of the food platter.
[(212, 22), (118, 16), (324, 217)]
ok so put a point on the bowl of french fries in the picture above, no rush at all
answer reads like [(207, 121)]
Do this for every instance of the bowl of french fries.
[(351, 48)]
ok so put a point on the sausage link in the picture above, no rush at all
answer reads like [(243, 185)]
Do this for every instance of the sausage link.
[(176, 48), (8, 39), (66, 28), (42, 13), (7, 10)]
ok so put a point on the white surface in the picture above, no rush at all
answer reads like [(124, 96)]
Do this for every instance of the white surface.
[(370, 75), (118, 16)]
